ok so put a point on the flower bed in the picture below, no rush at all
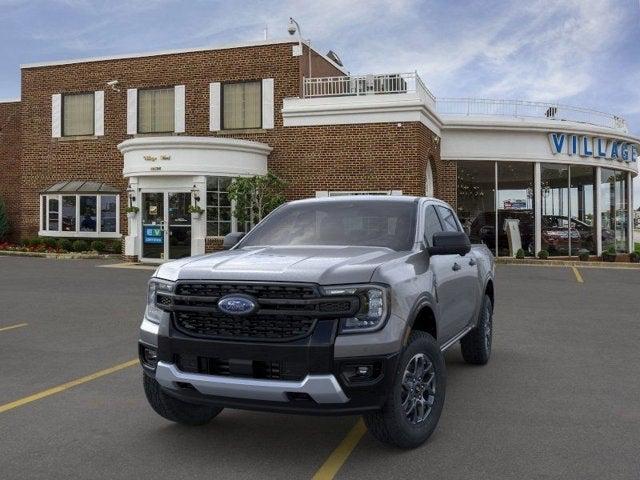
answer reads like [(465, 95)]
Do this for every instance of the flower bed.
[(51, 246)]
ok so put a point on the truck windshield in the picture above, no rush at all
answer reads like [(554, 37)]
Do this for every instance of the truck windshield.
[(351, 223)]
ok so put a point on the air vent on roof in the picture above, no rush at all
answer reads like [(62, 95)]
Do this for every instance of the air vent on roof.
[(334, 57)]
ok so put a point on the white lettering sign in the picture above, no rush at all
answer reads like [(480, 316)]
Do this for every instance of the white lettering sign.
[(597, 147)]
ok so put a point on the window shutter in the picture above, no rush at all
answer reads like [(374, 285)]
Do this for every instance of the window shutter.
[(215, 112), (179, 99), (98, 113), (56, 115), (132, 111), (267, 103)]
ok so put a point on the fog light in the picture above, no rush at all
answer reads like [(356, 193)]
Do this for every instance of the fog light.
[(150, 357), (363, 371)]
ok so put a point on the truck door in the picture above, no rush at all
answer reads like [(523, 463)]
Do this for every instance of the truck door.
[(463, 274)]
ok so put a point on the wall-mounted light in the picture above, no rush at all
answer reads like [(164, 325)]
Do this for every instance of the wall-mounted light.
[(132, 194), (195, 192)]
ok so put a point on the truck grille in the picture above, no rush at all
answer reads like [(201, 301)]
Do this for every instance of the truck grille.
[(285, 312)]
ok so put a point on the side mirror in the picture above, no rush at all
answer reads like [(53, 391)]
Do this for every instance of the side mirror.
[(450, 243), (231, 240)]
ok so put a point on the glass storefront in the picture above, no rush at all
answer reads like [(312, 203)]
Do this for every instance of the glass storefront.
[(500, 197), (614, 190), (516, 218)]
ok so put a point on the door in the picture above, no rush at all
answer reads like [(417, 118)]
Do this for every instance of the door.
[(456, 289), (166, 225)]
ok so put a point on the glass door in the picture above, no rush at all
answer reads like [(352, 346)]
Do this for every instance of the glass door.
[(153, 222), (179, 242)]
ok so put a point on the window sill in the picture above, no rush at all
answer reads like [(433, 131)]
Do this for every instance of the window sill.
[(155, 134), (46, 233), (241, 131), (77, 138)]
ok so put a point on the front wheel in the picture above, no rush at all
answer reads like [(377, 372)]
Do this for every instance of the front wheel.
[(413, 406), (176, 410)]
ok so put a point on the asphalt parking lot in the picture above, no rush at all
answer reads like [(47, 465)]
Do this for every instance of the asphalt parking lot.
[(559, 399)]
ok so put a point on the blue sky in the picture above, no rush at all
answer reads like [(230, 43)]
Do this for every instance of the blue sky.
[(581, 52)]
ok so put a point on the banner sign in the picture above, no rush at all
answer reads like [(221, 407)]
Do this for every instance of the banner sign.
[(153, 235)]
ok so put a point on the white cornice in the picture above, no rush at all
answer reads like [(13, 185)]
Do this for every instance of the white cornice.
[(190, 143), (9, 100)]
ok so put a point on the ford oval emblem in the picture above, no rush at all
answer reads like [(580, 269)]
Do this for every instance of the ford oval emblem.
[(237, 305)]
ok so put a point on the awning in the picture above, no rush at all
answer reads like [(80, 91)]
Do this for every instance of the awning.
[(81, 186)]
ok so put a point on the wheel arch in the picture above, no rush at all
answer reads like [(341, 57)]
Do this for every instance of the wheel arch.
[(423, 318)]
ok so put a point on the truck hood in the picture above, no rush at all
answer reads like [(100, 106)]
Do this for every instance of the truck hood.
[(323, 265)]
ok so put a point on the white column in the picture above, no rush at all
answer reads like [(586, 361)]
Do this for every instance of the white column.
[(630, 211), (199, 225), (132, 245), (537, 202), (132, 111), (598, 211)]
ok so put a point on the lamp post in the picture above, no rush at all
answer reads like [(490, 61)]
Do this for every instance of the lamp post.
[(292, 29)]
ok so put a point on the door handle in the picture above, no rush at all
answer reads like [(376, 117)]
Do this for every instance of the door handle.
[(472, 262), (456, 267)]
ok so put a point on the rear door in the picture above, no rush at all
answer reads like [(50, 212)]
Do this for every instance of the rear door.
[(465, 276)]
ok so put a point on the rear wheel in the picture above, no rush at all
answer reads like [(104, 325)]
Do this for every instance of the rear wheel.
[(174, 409), (476, 345), (413, 407)]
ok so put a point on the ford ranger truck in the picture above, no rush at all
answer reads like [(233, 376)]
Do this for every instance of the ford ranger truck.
[(334, 306)]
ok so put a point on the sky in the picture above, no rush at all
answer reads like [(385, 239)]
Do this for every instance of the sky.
[(577, 52)]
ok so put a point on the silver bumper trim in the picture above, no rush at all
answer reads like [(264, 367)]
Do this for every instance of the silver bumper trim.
[(321, 388), (149, 332)]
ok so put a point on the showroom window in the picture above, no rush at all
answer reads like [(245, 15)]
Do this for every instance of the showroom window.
[(582, 198), (476, 201), (156, 110), (218, 207), (78, 114), (515, 202), (614, 210), (242, 105), (79, 215)]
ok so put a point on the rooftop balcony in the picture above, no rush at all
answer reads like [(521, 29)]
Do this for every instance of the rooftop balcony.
[(411, 83)]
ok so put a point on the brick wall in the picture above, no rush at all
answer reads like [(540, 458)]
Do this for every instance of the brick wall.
[(9, 161)]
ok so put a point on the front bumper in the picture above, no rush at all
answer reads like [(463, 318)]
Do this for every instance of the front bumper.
[(311, 379)]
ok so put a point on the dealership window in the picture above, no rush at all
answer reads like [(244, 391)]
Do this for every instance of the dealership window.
[(242, 105), (516, 223), (77, 215), (582, 197), (78, 114), (219, 219), (156, 110), (476, 201), (614, 210)]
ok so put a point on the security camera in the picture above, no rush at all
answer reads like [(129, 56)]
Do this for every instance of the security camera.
[(112, 84), (292, 27)]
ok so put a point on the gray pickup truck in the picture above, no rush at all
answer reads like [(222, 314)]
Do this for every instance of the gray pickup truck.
[(340, 305)]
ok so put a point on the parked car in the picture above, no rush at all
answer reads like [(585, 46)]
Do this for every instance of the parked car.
[(335, 306)]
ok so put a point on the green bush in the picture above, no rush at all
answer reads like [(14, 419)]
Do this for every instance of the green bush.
[(609, 255), (80, 246), (25, 242), (65, 244), (49, 242), (583, 254), (35, 241), (634, 257), (520, 253), (543, 254), (115, 246), (4, 221), (98, 246)]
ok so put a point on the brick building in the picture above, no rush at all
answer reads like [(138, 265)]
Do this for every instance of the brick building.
[(162, 131)]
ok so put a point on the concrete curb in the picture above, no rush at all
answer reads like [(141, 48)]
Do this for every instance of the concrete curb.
[(59, 256), (566, 263)]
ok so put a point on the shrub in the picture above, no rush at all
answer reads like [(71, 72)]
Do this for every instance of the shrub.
[(583, 254), (35, 241), (115, 246), (609, 255), (634, 257), (80, 246), (4, 221), (520, 254), (543, 254), (65, 244), (25, 242), (49, 242), (98, 246)]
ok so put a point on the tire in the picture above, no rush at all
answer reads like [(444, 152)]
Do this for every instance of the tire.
[(392, 425), (476, 345), (176, 410)]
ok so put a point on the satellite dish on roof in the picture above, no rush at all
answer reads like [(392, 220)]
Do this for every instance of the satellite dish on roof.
[(334, 57)]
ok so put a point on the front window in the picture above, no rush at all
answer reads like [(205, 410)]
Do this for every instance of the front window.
[(340, 223), (78, 114), (242, 105), (218, 206), (614, 210), (78, 215), (156, 110)]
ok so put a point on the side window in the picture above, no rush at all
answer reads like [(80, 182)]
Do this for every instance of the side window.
[(431, 224), (449, 222)]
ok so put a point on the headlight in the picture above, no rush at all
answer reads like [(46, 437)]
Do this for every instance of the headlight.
[(372, 314), (157, 286)]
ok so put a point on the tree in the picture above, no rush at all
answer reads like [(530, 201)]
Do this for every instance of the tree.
[(255, 197), (4, 221)]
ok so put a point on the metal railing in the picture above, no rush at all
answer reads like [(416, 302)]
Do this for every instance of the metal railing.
[(355, 85), (526, 109)]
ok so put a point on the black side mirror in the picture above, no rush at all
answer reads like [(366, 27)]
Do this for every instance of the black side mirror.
[(231, 240), (450, 243)]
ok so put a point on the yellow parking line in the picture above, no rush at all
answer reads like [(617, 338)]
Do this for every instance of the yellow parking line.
[(11, 327), (66, 386), (332, 465), (576, 272), (129, 265)]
